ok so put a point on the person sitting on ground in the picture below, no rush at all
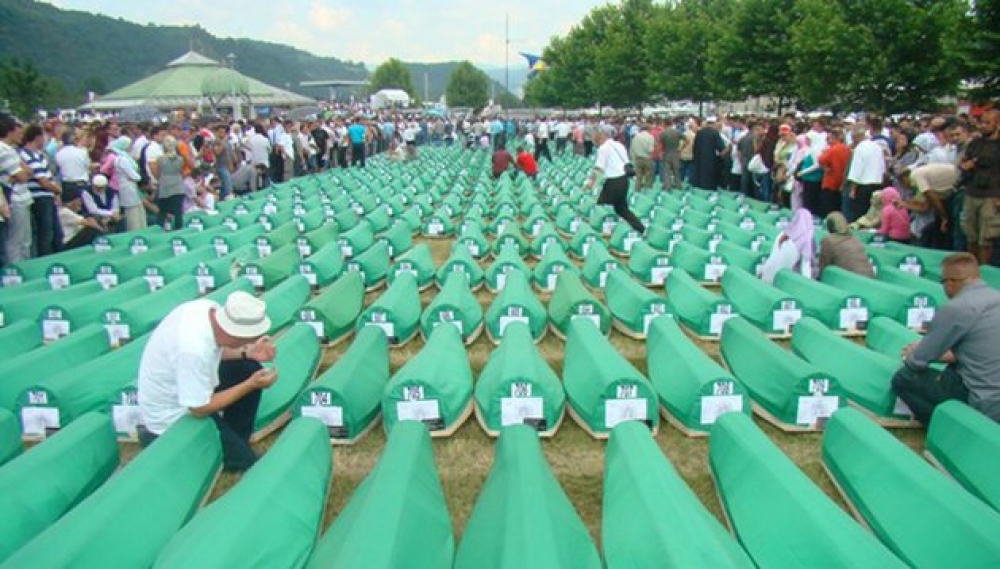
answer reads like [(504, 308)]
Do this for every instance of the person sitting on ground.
[(841, 248), (895, 223), (502, 161), (526, 163), (205, 360), (77, 230), (872, 219), (793, 248), (101, 203), (964, 334)]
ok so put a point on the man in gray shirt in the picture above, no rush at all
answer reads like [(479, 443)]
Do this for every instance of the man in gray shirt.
[(964, 335)]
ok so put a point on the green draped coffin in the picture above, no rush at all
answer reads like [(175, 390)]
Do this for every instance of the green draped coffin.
[(602, 387), (417, 262), (787, 391), (770, 309), (837, 309), (298, 357), (966, 444), (516, 303), (888, 337), (597, 265), (461, 261), (434, 387), (633, 307), (505, 261), (922, 515), (699, 309), (373, 265), (456, 306), (334, 312), (522, 518), (396, 312), (571, 301), (323, 267), (133, 318), (650, 266), (651, 519), (912, 308), (779, 515)]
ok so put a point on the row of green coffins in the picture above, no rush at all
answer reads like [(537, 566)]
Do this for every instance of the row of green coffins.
[(77, 516)]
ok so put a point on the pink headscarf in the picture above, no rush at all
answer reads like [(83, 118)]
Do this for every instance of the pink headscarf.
[(890, 196), (800, 231), (803, 141)]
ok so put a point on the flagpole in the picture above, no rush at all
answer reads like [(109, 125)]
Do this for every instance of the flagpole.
[(506, 53)]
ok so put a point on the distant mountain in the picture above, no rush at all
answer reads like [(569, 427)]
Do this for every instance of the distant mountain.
[(90, 52), (432, 79)]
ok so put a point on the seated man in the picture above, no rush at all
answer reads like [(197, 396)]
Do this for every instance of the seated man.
[(964, 335), (77, 230), (526, 163), (502, 161), (205, 360)]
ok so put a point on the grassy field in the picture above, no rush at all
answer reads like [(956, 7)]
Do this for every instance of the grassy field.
[(464, 459)]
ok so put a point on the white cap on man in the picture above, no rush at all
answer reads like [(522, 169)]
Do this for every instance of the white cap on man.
[(243, 316)]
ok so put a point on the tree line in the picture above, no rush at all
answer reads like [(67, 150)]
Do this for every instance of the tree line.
[(886, 56)]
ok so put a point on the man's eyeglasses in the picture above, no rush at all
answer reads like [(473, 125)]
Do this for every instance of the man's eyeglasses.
[(945, 280)]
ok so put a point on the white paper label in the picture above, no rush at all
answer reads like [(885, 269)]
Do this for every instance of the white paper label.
[(647, 319), (422, 410), (435, 228), (621, 410), (206, 283), (346, 250), (718, 320), (551, 280), (784, 319), (318, 327), (714, 272), (917, 318), (629, 242), (851, 317), (256, 279), (911, 265), (138, 248), (58, 281), (263, 249), (514, 410), (574, 224), (608, 226), (658, 275), (747, 224), (34, 420), (107, 280), (305, 250), (102, 247), (332, 416), (118, 334), (221, 248), (11, 280), (179, 248), (155, 282), (308, 273), (127, 418), (473, 248), (812, 408), (54, 329), (505, 321)]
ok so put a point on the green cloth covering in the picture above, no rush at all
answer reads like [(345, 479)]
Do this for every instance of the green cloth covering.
[(912, 283), (602, 387), (133, 318), (518, 386), (357, 240), (220, 294), (768, 308), (418, 262), (20, 372), (312, 220), (438, 224), (277, 239), (148, 237), (547, 236), (511, 237), (699, 263), (905, 306), (472, 237), (229, 242), (598, 264), (28, 270), (323, 267), (158, 274), (454, 305), (991, 275), (271, 518), (522, 518), (701, 238), (864, 375), (650, 266), (397, 516), (661, 237), (334, 311), (792, 391), (379, 220), (412, 217), (552, 264), (602, 219), (79, 269), (19, 338), (929, 259), (311, 242), (10, 437), (11, 291), (346, 398), (568, 221), (267, 272), (917, 511), (348, 220), (66, 396), (779, 515), (835, 308), (579, 242), (967, 444), (737, 256), (373, 265), (692, 386), (396, 311), (632, 305), (888, 337), (434, 387), (651, 518), (516, 302), (506, 215), (699, 309), (128, 520), (53, 477), (506, 260), (117, 272), (72, 314), (571, 301), (398, 238), (461, 261), (284, 300)]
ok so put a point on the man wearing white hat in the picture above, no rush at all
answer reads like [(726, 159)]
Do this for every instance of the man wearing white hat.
[(205, 360)]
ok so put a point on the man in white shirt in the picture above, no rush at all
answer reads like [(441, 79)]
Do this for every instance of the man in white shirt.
[(865, 176), (205, 360), (542, 140), (610, 163), (73, 162)]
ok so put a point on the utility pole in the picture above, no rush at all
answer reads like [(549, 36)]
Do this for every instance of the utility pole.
[(426, 96), (506, 53)]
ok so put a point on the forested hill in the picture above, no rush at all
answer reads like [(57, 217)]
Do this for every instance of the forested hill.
[(89, 52)]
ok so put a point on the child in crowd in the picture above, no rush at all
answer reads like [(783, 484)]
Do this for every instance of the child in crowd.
[(895, 217)]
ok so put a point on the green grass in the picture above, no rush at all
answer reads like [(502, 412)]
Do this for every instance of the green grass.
[(577, 460)]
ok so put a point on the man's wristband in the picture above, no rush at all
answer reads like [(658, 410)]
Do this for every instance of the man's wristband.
[(243, 354)]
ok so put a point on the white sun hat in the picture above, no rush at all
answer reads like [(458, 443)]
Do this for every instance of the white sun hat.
[(243, 316)]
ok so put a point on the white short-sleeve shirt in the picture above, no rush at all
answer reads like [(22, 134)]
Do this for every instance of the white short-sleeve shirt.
[(179, 367), (611, 158)]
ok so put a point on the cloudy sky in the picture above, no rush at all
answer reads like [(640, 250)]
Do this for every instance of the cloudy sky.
[(369, 31)]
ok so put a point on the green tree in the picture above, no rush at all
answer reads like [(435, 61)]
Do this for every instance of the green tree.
[(978, 52), (621, 76), (392, 74), (23, 87), (822, 44), (467, 86)]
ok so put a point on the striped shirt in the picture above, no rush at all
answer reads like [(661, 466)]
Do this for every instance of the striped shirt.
[(39, 164)]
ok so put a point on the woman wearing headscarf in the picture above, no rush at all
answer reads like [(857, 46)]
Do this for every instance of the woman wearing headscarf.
[(793, 249), (873, 217), (840, 248), (808, 176), (895, 217), (127, 174)]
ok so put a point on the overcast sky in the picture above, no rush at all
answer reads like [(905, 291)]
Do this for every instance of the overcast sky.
[(369, 31)]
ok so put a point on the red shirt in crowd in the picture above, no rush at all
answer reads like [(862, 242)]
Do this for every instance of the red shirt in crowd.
[(501, 161), (526, 163), (834, 161)]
